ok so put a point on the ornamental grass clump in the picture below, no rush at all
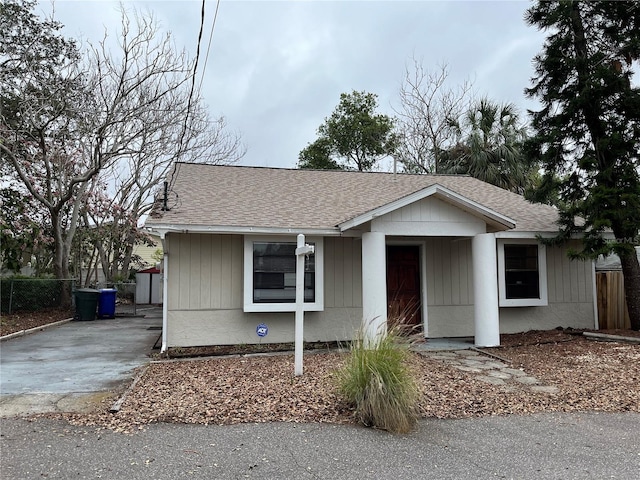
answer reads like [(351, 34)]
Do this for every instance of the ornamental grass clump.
[(378, 382)]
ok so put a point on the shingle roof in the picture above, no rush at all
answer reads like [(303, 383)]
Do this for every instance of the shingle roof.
[(260, 197)]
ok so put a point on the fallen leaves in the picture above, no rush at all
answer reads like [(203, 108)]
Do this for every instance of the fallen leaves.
[(17, 322), (590, 376)]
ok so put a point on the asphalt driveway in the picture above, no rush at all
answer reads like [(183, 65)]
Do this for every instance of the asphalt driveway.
[(530, 447), (61, 368)]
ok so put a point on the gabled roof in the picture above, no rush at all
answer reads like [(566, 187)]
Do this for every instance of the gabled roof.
[(436, 191), (230, 198)]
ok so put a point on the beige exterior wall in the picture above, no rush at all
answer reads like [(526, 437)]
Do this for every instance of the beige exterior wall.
[(428, 217), (342, 273), (206, 294), (450, 293), (449, 287), (570, 289)]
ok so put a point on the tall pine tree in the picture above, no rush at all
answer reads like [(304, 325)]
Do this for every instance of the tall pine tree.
[(587, 134)]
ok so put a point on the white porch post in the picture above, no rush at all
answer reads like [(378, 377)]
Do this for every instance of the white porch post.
[(374, 286), (486, 315), (165, 292)]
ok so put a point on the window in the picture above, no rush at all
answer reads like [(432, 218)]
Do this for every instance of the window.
[(270, 275), (274, 273), (522, 273)]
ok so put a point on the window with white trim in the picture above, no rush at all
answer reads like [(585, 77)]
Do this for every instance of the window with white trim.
[(270, 275), (522, 273)]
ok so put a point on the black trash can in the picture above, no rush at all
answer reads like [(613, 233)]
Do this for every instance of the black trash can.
[(86, 303)]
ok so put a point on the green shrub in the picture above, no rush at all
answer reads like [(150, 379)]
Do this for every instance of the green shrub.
[(29, 294), (378, 382)]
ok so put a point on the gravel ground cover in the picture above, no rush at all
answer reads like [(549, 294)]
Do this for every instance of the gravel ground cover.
[(587, 376)]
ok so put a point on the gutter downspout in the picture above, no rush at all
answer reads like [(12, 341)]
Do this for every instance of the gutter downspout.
[(165, 292)]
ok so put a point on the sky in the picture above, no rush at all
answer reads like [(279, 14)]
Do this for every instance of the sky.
[(276, 69)]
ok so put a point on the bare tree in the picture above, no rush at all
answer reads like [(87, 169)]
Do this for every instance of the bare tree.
[(428, 111), (169, 127), (45, 104), (66, 120)]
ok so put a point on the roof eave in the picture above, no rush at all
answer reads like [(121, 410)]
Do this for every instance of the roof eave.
[(163, 229), (542, 234)]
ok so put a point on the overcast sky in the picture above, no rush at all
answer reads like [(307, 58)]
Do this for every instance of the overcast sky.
[(276, 69)]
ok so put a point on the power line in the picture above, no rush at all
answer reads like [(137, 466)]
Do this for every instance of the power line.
[(193, 86), (195, 65), (206, 57)]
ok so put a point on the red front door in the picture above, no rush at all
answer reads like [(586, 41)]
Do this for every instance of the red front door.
[(403, 286)]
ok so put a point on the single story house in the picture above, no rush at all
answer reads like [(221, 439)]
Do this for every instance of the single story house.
[(453, 255)]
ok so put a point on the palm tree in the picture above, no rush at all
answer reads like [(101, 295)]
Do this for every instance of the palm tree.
[(490, 147)]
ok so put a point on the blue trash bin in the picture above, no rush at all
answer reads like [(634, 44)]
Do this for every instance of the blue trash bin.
[(107, 303)]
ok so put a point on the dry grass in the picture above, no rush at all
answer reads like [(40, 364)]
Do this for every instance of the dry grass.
[(379, 384), (590, 376)]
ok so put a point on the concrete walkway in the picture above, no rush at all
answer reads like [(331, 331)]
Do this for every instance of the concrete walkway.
[(71, 366), (488, 369)]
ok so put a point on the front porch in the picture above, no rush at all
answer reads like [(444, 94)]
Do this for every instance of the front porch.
[(476, 276)]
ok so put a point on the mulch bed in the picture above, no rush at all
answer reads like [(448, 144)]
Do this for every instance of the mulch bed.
[(589, 376), (19, 321)]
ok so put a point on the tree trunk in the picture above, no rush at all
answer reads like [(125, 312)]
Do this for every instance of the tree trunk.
[(104, 259), (631, 272), (128, 253), (60, 259)]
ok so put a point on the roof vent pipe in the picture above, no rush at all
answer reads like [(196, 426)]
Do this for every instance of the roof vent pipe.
[(164, 198)]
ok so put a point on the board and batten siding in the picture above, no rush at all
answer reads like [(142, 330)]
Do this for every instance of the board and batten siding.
[(449, 287), (205, 294), (205, 271), (450, 293), (570, 285), (342, 272), (428, 217)]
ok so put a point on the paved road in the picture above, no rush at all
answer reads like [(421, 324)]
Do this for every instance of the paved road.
[(542, 446), (54, 369)]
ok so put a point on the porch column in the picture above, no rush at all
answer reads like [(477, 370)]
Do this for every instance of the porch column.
[(374, 286), (486, 317)]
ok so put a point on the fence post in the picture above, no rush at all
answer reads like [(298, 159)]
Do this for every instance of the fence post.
[(10, 295)]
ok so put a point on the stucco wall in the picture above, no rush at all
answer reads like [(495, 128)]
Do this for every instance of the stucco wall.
[(228, 327)]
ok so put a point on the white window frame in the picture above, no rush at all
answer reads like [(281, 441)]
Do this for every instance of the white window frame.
[(542, 275), (251, 306)]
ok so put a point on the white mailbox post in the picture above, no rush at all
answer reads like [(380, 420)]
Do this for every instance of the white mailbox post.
[(302, 250)]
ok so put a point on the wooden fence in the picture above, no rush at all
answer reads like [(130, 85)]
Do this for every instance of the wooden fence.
[(612, 308)]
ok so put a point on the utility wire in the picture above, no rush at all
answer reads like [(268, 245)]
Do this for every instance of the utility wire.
[(206, 57), (192, 91)]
